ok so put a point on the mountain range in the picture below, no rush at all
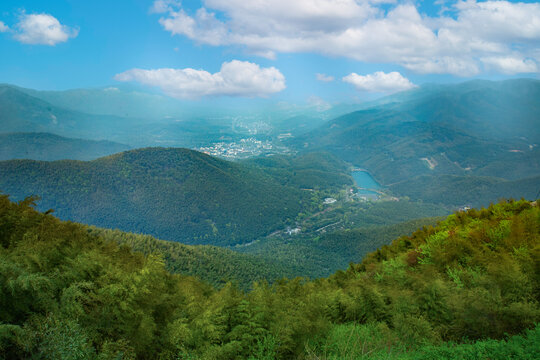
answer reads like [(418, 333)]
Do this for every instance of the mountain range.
[(451, 145), (472, 129), (48, 147), (101, 285)]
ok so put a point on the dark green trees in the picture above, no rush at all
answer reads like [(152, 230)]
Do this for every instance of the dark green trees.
[(67, 293)]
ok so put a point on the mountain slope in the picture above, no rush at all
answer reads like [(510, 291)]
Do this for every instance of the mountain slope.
[(173, 194), (20, 112), (460, 130), (477, 128), (317, 170), (132, 118), (473, 277), (48, 147), (116, 101), (320, 256), (466, 190), (211, 264)]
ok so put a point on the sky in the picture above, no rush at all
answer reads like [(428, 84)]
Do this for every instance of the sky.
[(292, 50)]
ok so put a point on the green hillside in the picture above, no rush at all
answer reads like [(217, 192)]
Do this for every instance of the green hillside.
[(342, 233), (45, 146), (173, 194), (466, 190), (316, 256), (211, 264), (316, 170), (477, 128), (442, 292)]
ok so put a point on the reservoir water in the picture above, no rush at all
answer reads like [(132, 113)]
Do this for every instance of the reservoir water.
[(363, 179)]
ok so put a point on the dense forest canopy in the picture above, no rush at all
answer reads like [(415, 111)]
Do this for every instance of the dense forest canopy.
[(69, 293), (176, 194)]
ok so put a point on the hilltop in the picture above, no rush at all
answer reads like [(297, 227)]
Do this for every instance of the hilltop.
[(173, 194)]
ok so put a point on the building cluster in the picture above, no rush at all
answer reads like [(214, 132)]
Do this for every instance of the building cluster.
[(239, 150)]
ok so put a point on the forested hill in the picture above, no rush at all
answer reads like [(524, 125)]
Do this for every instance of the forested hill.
[(477, 128), (46, 146), (312, 170), (212, 264), (474, 277), (173, 194)]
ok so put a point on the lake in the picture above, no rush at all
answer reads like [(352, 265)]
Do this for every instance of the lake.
[(364, 179)]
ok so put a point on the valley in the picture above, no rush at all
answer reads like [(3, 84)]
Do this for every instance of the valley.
[(270, 180), (347, 208), (273, 191)]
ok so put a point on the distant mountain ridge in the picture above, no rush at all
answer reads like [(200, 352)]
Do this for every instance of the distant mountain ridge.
[(49, 147), (140, 119), (121, 101), (476, 128), (20, 112)]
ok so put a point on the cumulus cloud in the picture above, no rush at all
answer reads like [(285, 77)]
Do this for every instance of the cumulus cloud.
[(379, 82), (510, 65), (324, 77), (3, 27), (366, 31), (42, 29), (162, 6), (235, 78)]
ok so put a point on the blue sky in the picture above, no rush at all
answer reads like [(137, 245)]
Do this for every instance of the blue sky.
[(273, 50)]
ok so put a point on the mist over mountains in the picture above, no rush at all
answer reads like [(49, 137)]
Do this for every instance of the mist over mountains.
[(49, 147), (468, 130), (482, 135)]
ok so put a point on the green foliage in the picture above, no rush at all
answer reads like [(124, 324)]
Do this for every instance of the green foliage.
[(69, 293), (322, 254), (465, 190), (372, 341), (173, 194), (212, 264), (316, 170)]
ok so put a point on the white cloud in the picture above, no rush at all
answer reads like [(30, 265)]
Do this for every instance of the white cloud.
[(364, 31), (236, 78), (205, 28), (379, 82), (42, 29), (162, 6), (324, 77), (3, 27), (510, 65), (319, 104)]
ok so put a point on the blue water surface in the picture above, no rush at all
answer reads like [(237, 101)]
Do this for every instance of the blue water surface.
[(363, 179)]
